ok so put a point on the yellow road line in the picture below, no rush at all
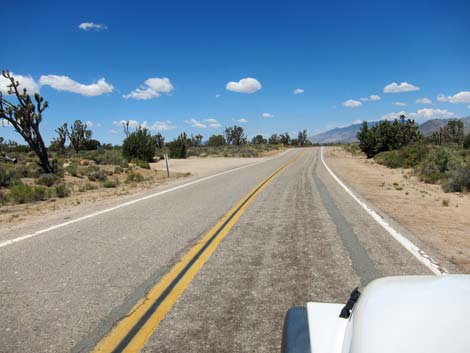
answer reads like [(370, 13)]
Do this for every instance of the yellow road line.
[(131, 332)]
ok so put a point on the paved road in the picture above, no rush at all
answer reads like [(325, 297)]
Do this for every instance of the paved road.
[(302, 239)]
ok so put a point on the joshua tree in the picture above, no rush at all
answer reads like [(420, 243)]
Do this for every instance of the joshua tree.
[(159, 140), (58, 143), (274, 139), (25, 116), (125, 127), (196, 140), (285, 138), (79, 135), (302, 137), (235, 135)]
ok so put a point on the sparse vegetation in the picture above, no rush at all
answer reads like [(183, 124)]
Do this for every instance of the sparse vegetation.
[(134, 177), (110, 183), (76, 163), (47, 179), (442, 158)]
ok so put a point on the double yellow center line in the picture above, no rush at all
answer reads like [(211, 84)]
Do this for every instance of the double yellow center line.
[(131, 332)]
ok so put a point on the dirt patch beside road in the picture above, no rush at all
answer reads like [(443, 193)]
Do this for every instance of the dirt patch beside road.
[(437, 218)]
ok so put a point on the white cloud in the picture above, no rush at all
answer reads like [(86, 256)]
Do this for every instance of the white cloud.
[(461, 97), (156, 126), (91, 26), (113, 131), (217, 96), (60, 83), (424, 101), (25, 82), (196, 123), (267, 115), (400, 104), (299, 91), (242, 120), (392, 115), (371, 98), (213, 123), (152, 88), (468, 106), (162, 126), (89, 123), (351, 103), (206, 123), (429, 113), (245, 85), (65, 83), (402, 87)]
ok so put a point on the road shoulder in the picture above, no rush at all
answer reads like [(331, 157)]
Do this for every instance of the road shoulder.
[(419, 207)]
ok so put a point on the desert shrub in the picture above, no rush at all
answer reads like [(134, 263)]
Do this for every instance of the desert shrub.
[(458, 178), (9, 175), (439, 163), (118, 170), (40, 193), (98, 175), (139, 145), (216, 141), (47, 179), (21, 193), (352, 148), (110, 183), (142, 164), (91, 168), (61, 190), (73, 170), (134, 177), (433, 167), (110, 157), (466, 142), (87, 186), (407, 157)]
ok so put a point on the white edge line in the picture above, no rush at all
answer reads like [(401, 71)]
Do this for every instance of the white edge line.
[(406, 243), (128, 203)]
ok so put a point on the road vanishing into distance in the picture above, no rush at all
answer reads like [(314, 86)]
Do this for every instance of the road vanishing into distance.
[(205, 265)]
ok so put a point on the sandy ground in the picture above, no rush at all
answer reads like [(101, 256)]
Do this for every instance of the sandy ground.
[(12, 216), (437, 218)]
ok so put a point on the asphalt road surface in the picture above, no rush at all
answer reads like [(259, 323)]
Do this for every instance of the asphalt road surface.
[(301, 238)]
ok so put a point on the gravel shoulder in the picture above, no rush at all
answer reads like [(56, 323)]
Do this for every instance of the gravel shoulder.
[(439, 219)]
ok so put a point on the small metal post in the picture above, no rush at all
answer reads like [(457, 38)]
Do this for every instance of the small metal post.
[(167, 168)]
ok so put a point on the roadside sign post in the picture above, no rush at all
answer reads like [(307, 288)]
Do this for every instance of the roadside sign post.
[(166, 163)]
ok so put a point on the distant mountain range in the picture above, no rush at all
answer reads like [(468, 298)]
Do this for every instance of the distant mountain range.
[(348, 134)]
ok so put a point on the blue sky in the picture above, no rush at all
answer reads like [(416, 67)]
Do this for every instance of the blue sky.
[(336, 52)]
